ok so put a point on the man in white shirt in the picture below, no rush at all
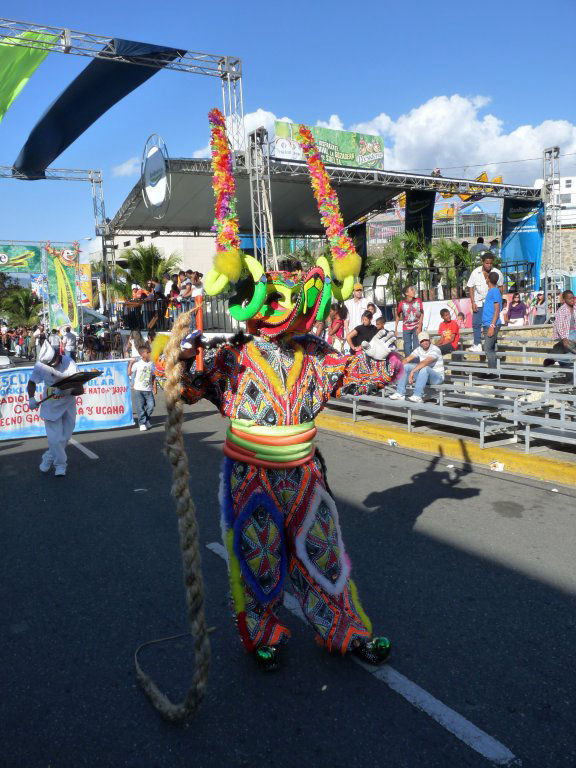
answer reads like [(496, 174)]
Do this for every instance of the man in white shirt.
[(69, 341), (59, 412), (479, 287), (423, 366), (355, 307)]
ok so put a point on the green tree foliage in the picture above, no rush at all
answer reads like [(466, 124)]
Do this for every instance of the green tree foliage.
[(21, 306), (143, 263)]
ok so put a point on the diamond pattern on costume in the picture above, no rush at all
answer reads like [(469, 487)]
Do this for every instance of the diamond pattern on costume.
[(319, 543), (322, 544), (261, 548), (286, 485)]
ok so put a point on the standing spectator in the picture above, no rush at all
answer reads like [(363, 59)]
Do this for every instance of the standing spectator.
[(411, 311), (504, 312), (540, 310), (54, 339), (38, 337), (197, 286), (363, 332), (491, 319), (355, 307), (461, 320), (449, 332), (424, 365), (171, 281), (517, 311), (494, 247), (70, 342), (376, 312), (479, 286), (135, 341), (335, 329), (564, 328), (479, 248), (145, 386), (460, 266)]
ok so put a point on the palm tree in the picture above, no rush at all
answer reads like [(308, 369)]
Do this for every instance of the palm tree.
[(145, 263), (22, 305)]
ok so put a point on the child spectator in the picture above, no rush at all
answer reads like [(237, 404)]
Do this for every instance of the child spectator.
[(449, 333), (145, 386), (335, 329), (411, 311)]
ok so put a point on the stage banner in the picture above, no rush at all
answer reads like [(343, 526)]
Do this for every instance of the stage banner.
[(356, 150), (105, 404), (523, 233), (420, 212)]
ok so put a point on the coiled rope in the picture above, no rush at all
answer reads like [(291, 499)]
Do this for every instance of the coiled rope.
[(189, 541)]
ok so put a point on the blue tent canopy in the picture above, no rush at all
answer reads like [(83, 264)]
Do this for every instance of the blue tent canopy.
[(100, 86)]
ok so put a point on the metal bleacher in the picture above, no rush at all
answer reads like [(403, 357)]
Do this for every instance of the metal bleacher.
[(522, 400)]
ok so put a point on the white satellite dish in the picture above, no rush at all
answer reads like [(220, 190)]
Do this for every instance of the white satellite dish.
[(155, 176)]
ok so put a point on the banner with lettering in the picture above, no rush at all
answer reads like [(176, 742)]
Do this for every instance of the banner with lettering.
[(105, 404)]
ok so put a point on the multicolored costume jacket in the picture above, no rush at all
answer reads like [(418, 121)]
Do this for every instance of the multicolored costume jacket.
[(278, 515)]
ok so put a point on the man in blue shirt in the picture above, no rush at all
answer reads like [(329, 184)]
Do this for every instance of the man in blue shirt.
[(491, 318)]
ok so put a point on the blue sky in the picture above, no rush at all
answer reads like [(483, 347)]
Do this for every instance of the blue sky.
[(455, 87)]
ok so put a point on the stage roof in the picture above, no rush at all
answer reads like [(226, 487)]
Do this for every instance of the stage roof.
[(294, 210)]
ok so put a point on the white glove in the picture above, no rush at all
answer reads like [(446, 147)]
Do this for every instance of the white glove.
[(33, 403), (380, 346)]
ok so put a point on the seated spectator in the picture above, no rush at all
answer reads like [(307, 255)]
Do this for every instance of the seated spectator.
[(364, 332), (449, 333), (564, 329), (491, 319), (379, 323), (516, 314), (423, 366)]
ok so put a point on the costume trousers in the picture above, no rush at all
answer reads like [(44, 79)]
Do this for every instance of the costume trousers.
[(59, 431), (278, 523)]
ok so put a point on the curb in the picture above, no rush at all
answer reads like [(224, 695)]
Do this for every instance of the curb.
[(533, 466)]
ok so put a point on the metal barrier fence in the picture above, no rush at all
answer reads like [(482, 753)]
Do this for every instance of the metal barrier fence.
[(160, 315), (380, 233)]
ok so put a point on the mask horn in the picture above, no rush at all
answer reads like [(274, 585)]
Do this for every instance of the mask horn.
[(324, 306), (258, 276), (343, 292)]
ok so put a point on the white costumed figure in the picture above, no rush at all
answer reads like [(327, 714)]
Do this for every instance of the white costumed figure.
[(58, 412)]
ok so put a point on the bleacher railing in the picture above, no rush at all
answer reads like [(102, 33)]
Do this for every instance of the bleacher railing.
[(161, 314)]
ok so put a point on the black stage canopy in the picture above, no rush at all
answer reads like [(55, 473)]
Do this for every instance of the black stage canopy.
[(294, 209)]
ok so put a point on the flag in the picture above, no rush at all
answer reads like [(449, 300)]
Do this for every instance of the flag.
[(18, 63)]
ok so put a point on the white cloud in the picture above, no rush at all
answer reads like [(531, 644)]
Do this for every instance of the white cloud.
[(202, 152), (334, 122), (129, 167), (448, 131)]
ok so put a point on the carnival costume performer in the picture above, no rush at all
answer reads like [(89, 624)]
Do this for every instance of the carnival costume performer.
[(59, 411), (279, 517)]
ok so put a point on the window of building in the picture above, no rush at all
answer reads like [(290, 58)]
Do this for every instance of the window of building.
[(565, 198), (140, 239), (126, 243), (568, 183)]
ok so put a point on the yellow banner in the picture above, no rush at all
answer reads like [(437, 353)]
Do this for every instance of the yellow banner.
[(85, 284)]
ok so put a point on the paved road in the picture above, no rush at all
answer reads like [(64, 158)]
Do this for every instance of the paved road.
[(471, 573)]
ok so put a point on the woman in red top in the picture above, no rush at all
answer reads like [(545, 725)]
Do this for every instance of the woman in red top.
[(449, 332)]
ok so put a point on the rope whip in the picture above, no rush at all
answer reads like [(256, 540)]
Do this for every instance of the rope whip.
[(189, 542)]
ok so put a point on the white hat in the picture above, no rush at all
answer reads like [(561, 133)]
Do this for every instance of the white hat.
[(423, 336), (134, 285), (47, 353)]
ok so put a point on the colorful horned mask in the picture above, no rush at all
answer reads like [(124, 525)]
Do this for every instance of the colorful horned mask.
[(276, 302)]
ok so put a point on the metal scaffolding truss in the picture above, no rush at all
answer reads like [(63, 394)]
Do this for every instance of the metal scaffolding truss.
[(260, 197), (94, 178), (104, 47), (405, 181), (553, 236)]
